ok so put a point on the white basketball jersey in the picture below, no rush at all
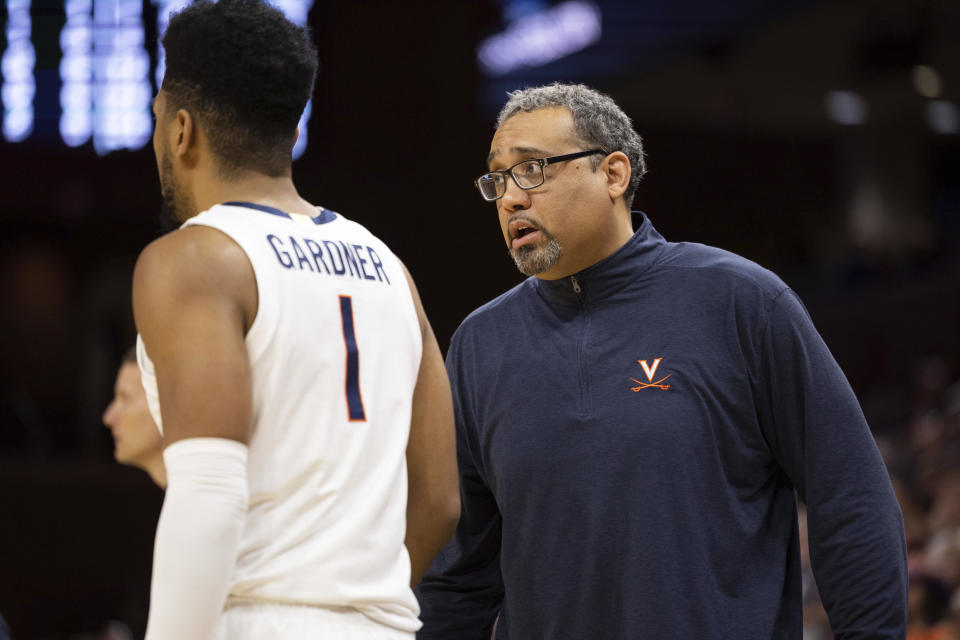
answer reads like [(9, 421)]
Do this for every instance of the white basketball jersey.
[(334, 350)]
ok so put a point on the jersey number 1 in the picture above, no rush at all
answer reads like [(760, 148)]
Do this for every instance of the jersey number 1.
[(354, 401)]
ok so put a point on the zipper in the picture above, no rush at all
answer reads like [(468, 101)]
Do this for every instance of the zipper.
[(586, 407)]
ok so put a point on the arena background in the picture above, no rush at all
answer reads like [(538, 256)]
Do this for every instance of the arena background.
[(818, 138)]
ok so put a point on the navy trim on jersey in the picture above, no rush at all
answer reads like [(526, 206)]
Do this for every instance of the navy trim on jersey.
[(325, 214), (259, 207)]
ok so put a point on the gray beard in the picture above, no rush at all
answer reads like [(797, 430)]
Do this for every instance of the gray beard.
[(532, 260)]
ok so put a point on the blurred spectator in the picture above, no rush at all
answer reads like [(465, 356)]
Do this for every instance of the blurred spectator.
[(136, 437)]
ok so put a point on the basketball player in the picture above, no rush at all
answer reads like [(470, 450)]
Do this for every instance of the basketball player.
[(136, 439), (305, 408)]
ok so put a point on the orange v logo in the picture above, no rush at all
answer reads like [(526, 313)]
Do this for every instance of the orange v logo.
[(650, 371)]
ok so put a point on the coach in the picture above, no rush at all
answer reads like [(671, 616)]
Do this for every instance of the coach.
[(636, 421)]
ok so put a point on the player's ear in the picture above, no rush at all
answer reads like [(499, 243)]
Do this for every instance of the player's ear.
[(186, 133)]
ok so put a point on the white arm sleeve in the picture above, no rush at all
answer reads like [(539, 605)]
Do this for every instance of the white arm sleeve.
[(197, 537)]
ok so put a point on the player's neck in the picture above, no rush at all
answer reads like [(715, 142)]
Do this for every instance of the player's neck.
[(278, 192)]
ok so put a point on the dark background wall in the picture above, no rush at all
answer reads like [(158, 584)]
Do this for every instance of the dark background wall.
[(861, 220)]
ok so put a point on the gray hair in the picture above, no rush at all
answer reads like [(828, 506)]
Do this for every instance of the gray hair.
[(597, 120)]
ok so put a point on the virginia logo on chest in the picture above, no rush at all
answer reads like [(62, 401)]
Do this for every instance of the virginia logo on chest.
[(650, 370)]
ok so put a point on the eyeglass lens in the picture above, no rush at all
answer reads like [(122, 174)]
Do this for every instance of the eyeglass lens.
[(492, 185), (527, 174)]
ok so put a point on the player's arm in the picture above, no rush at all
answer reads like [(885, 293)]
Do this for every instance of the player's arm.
[(194, 297), (462, 592), (433, 502)]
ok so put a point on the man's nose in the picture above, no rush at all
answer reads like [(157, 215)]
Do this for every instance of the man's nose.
[(514, 198)]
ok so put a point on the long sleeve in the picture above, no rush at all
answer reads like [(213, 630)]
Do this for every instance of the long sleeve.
[(820, 437), (197, 537), (462, 591)]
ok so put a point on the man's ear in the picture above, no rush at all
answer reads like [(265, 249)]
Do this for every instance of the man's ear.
[(616, 166)]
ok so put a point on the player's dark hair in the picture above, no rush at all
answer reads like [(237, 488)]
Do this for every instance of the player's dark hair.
[(130, 355), (245, 73)]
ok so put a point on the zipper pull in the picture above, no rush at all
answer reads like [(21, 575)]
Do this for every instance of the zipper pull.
[(576, 285)]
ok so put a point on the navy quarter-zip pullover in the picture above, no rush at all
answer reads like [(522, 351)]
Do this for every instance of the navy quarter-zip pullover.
[(631, 440)]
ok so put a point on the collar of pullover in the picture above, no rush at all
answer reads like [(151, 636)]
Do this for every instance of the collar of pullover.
[(611, 274)]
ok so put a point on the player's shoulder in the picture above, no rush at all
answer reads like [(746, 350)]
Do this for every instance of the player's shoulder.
[(722, 267), (190, 246), (349, 225), (190, 256)]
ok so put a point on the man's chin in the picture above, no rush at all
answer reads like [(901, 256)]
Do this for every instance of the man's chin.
[(526, 269), (531, 261)]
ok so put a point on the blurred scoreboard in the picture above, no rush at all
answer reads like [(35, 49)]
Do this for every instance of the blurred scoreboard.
[(85, 72)]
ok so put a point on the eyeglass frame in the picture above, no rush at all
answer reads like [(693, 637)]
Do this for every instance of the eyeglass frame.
[(543, 162)]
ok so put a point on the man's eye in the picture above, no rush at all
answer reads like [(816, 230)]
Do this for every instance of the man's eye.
[(529, 168)]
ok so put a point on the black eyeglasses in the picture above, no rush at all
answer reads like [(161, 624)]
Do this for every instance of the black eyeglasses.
[(528, 174)]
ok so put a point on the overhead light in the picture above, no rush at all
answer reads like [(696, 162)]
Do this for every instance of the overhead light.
[(19, 85), (943, 116), (927, 81), (846, 107), (541, 37)]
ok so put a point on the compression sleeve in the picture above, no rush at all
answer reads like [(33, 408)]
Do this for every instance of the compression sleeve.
[(197, 537), (821, 439), (462, 591)]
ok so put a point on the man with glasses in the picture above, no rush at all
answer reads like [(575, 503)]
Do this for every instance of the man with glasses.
[(635, 421)]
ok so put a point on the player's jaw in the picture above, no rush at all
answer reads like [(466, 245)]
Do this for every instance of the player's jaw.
[(176, 204)]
